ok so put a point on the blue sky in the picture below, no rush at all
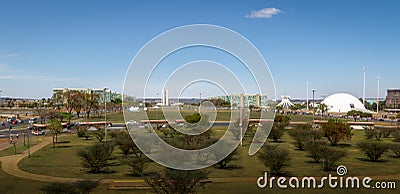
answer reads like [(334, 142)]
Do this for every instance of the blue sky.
[(46, 44)]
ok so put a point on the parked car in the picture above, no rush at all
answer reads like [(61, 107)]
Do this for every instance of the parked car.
[(32, 120)]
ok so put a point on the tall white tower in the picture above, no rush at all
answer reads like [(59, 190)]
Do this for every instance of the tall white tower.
[(165, 98)]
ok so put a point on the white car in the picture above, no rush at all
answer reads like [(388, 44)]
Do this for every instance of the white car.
[(32, 120)]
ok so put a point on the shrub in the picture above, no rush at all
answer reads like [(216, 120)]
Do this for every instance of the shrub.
[(336, 130), (369, 132), (396, 135), (176, 181), (137, 164), (96, 157), (85, 186), (372, 149), (99, 134), (315, 149), (280, 122), (59, 188), (303, 133), (274, 158), (330, 157), (225, 163), (395, 149)]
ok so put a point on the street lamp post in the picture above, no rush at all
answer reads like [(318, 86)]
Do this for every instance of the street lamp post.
[(9, 132), (364, 69), (313, 99), (105, 114), (377, 98), (0, 106)]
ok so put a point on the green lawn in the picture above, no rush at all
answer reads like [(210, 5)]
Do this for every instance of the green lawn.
[(20, 146), (63, 161)]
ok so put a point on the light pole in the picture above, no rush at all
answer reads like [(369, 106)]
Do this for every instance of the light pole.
[(364, 69), (307, 97), (157, 94), (313, 99), (0, 106), (105, 114), (200, 99), (9, 131), (377, 98)]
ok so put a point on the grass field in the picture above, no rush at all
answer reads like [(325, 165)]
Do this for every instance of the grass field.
[(20, 146), (63, 161)]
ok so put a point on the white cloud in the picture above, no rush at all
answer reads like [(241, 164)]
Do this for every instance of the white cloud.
[(9, 55), (264, 13)]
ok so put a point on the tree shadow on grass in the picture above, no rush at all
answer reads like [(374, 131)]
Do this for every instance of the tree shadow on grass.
[(104, 171), (61, 142), (63, 146), (344, 145), (368, 160), (231, 167), (279, 141)]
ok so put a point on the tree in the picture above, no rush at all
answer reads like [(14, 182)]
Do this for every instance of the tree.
[(225, 163), (176, 181), (336, 130), (79, 100), (85, 186), (330, 158), (55, 128), (91, 100), (42, 113), (323, 107), (137, 163), (193, 118), (124, 142), (372, 149), (354, 114), (274, 158), (303, 133), (95, 158), (315, 149), (73, 100), (99, 134), (280, 122), (395, 149), (59, 188)]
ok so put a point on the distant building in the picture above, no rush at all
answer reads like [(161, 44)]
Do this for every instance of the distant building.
[(244, 100), (393, 98), (108, 94), (165, 98)]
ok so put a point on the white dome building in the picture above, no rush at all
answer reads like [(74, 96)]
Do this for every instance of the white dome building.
[(343, 103)]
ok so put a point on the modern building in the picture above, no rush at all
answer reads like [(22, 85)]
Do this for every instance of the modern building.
[(244, 100), (393, 98), (165, 98), (285, 103), (343, 103), (109, 95)]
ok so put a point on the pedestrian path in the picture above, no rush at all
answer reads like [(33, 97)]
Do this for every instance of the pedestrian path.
[(10, 165)]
